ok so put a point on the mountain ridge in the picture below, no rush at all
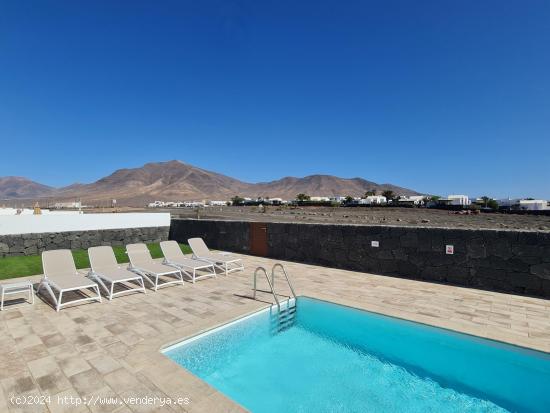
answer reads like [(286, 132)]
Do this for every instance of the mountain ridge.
[(175, 180), (13, 187)]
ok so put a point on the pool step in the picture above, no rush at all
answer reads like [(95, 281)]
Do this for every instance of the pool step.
[(283, 319)]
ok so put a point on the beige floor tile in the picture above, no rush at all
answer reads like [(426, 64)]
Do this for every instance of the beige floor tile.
[(104, 364)]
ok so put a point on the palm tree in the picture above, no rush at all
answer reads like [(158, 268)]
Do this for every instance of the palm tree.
[(370, 193), (237, 200), (388, 194)]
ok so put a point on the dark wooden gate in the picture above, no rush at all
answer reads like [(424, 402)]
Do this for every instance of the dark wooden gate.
[(258, 239)]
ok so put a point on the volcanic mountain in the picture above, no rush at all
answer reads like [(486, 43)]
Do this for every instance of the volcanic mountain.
[(19, 187), (175, 181), (324, 185)]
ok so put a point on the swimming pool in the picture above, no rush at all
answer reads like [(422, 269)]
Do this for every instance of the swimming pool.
[(339, 359)]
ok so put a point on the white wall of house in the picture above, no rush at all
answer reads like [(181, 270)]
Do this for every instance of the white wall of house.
[(414, 199), (373, 200), (59, 222), (338, 198), (76, 204), (524, 204), (533, 205), (217, 203), (459, 200)]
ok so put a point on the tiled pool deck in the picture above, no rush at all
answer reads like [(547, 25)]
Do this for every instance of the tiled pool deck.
[(112, 349)]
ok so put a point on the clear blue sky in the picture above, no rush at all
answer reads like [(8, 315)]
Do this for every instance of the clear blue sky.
[(441, 96)]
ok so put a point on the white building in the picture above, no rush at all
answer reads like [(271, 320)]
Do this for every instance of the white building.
[(156, 204), (373, 200), (193, 204), (416, 200), (460, 200), (275, 201), (338, 198), (319, 199), (217, 203), (533, 205), (61, 205), (519, 204)]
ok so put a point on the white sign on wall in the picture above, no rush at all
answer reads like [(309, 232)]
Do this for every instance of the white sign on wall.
[(375, 244), (449, 249)]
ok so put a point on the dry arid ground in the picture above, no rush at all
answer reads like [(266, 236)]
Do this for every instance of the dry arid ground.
[(371, 216)]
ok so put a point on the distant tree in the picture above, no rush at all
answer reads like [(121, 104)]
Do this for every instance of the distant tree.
[(390, 195), (237, 200), (303, 197), (348, 199), (370, 193), (493, 205), (489, 203)]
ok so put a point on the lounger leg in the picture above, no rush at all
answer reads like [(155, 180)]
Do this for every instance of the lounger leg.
[(146, 278), (98, 293), (143, 286), (59, 302), (99, 281), (50, 292), (2, 305), (39, 287), (111, 291), (190, 274), (194, 275)]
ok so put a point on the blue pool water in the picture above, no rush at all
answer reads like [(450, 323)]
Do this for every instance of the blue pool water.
[(339, 359)]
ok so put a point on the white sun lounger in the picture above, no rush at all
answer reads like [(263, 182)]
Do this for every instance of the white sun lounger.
[(105, 269), (143, 264), (60, 274), (174, 257), (224, 261)]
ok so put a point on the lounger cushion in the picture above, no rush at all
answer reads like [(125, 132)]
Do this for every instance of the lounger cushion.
[(116, 274), (70, 281), (190, 263), (156, 268), (219, 257)]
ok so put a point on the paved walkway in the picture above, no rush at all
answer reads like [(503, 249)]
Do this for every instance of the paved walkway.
[(111, 350)]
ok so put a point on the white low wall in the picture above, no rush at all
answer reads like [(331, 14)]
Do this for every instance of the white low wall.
[(27, 211), (26, 224)]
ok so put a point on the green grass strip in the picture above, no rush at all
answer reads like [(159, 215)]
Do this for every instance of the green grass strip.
[(25, 265)]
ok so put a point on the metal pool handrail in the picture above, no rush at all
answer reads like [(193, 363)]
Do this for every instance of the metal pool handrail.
[(277, 265), (270, 285)]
